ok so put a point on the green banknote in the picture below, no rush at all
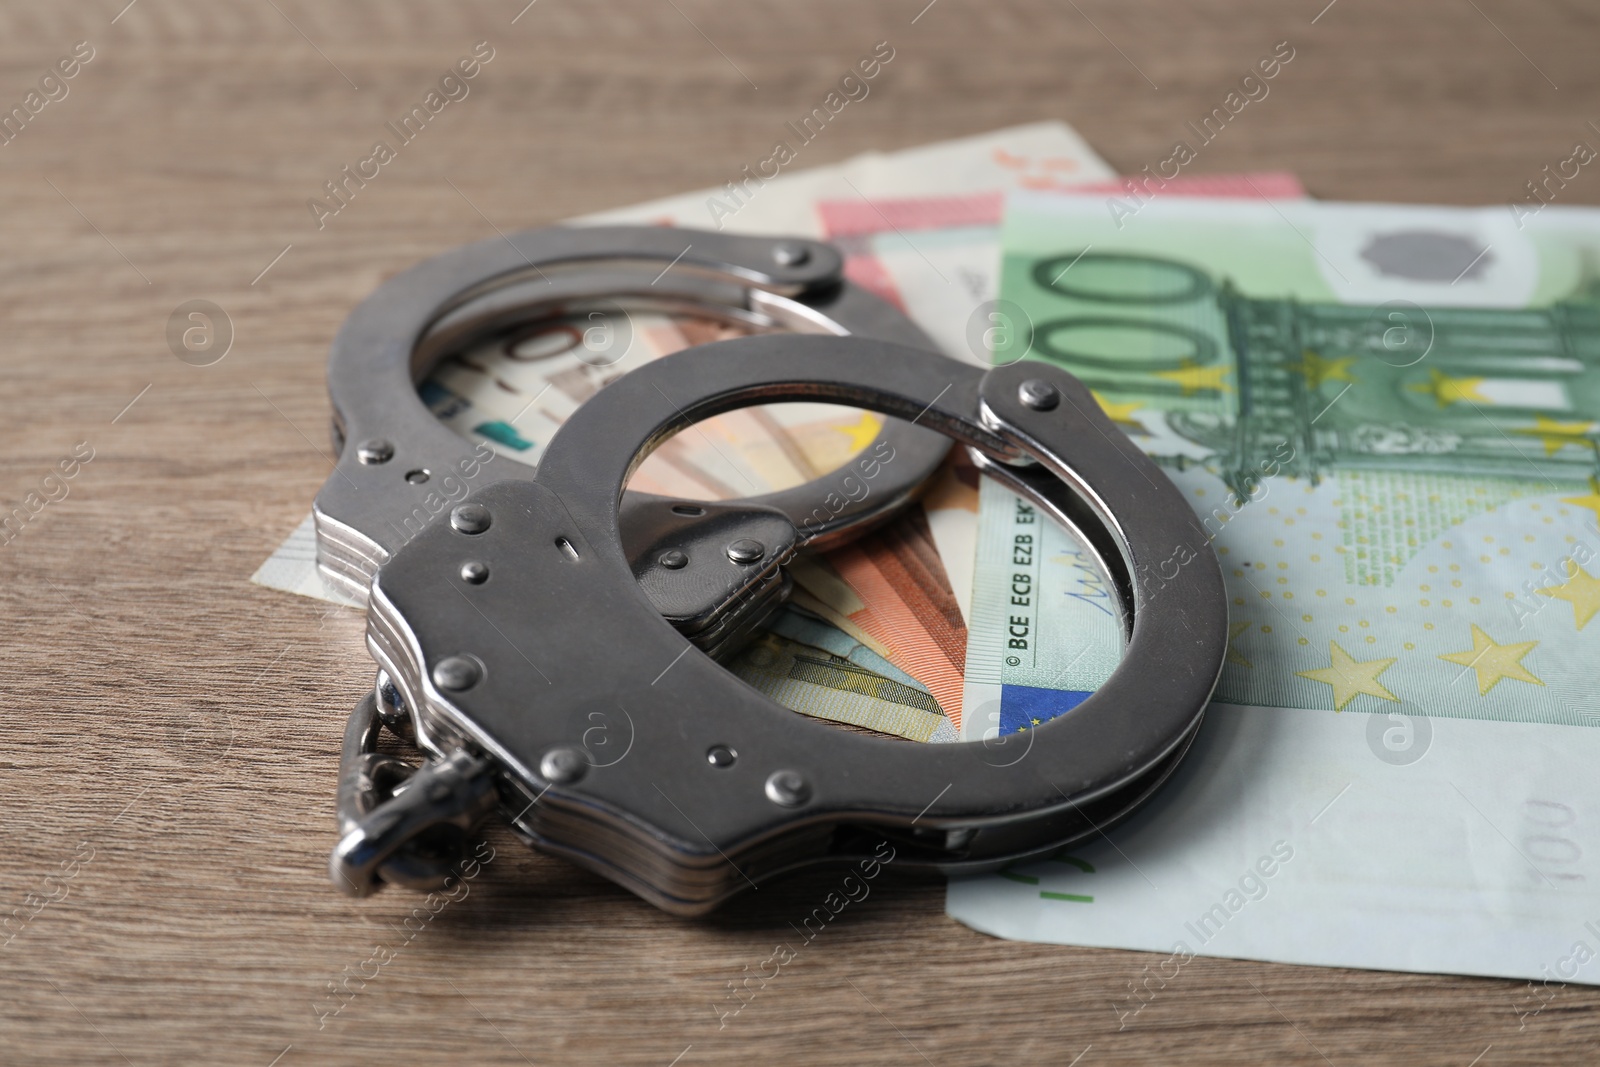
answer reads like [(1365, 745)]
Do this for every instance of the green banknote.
[(1045, 631), (1386, 417)]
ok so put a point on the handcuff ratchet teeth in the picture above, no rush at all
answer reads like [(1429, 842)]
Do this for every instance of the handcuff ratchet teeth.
[(502, 680)]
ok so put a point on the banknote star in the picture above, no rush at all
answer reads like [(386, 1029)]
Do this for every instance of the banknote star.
[(1557, 435), (1122, 414), (1234, 655), (1447, 390), (862, 431), (1318, 370), (1591, 501), (1582, 592), (1494, 662), (1351, 677), (1193, 377)]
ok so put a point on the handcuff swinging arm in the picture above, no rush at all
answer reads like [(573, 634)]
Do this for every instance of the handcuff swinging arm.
[(563, 629), (394, 455)]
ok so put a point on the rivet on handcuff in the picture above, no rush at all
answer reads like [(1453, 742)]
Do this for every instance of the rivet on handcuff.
[(484, 621)]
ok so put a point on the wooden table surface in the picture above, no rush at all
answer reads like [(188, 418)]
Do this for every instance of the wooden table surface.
[(171, 731)]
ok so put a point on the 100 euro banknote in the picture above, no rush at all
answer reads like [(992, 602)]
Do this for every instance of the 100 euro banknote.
[(1387, 417)]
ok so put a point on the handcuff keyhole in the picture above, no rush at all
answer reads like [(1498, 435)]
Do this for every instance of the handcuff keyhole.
[(689, 510), (568, 547)]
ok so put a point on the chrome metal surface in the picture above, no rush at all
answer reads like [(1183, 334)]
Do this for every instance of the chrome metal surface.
[(470, 518), (1038, 395), (563, 764), (787, 788), (400, 824), (565, 632), (408, 466)]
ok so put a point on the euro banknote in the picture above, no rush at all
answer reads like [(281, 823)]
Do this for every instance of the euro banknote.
[(896, 590), (885, 592), (1036, 155), (940, 259), (891, 587), (873, 230), (811, 666), (513, 393), (489, 402), (1388, 418)]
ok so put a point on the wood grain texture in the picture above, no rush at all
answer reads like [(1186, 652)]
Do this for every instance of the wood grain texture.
[(184, 724)]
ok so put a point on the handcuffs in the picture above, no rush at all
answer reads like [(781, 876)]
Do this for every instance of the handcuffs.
[(547, 598)]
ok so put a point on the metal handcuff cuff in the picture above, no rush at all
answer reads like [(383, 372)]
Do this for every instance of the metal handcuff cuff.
[(549, 596)]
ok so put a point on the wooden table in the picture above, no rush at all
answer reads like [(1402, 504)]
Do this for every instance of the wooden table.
[(171, 731)]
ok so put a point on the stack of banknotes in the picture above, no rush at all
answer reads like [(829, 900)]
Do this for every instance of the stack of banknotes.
[(1388, 418)]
